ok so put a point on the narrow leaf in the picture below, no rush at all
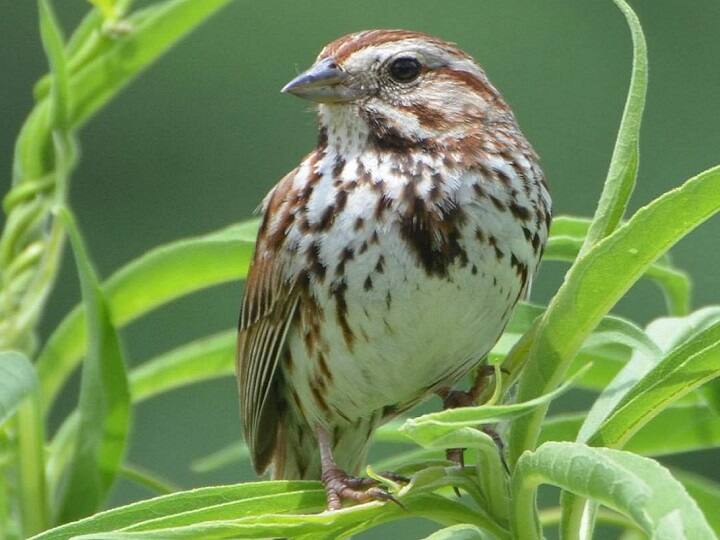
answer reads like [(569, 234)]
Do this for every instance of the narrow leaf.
[(428, 430), (104, 403), (633, 485), (147, 479), (706, 494), (686, 367), (668, 332), (225, 456), (597, 281), (622, 173), (197, 361), (675, 430), (460, 532), (673, 282), (160, 276), (17, 380), (52, 40), (173, 504), (154, 30)]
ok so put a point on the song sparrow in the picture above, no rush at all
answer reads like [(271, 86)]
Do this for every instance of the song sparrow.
[(389, 261)]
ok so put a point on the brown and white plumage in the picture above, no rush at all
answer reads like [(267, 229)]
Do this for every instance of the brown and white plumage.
[(389, 261)]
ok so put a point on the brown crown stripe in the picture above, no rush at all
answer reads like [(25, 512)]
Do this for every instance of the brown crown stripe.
[(342, 48)]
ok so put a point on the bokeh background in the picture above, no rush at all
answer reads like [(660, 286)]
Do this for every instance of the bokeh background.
[(197, 140)]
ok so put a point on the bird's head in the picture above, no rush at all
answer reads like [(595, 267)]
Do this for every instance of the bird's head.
[(398, 86)]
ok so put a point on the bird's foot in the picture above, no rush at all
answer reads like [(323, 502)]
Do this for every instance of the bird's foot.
[(340, 486), (453, 399)]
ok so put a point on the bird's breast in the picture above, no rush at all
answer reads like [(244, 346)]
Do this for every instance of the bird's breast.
[(411, 278)]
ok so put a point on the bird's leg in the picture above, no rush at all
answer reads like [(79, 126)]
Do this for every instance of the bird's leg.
[(453, 399), (341, 486)]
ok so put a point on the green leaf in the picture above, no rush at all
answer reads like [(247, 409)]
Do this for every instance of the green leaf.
[(158, 277), (106, 7), (460, 532), (706, 494), (622, 173), (147, 479), (647, 385), (605, 351), (154, 30), (104, 403), (111, 67), (197, 361), (668, 332), (326, 525), (176, 504), (692, 427), (636, 486), (52, 39), (305, 501), (597, 281), (684, 368), (17, 380), (567, 237), (569, 226), (261, 510), (225, 456), (441, 429)]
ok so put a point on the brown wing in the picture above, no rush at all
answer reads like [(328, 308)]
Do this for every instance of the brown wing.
[(265, 318)]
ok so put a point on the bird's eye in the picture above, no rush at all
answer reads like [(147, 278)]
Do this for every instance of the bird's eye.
[(405, 69)]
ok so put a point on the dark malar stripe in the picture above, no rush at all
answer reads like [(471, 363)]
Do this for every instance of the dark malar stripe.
[(387, 138)]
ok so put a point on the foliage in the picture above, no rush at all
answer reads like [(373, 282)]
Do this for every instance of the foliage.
[(645, 381)]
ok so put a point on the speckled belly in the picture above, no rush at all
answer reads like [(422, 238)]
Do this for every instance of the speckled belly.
[(396, 329)]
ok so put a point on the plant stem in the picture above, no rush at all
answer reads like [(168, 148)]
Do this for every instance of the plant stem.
[(4, 502), (552, 516), (31, 460), (524, 521)]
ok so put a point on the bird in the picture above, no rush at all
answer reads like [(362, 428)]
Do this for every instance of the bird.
[(389, 261)]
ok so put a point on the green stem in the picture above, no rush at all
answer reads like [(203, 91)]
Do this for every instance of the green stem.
[(573, 516), (31, 460), (435, 509), (147, 479), (524, 521), (552, 516), (4, 505)]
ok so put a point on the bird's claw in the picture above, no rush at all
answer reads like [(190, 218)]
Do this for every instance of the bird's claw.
[(340, 487)]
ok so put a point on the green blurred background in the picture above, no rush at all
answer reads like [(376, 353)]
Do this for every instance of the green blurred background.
[(196, 141)]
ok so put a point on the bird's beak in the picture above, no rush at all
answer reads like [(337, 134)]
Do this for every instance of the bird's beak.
[(324, 83)]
